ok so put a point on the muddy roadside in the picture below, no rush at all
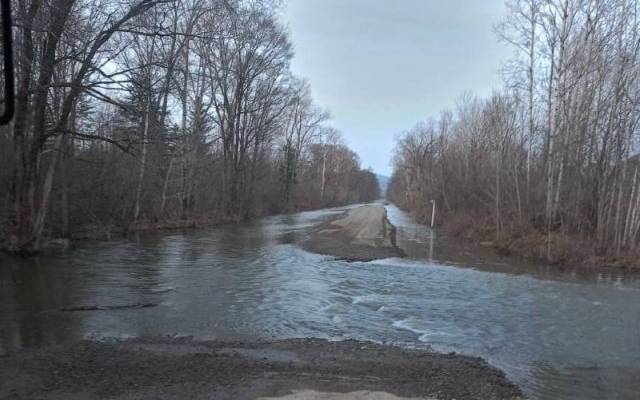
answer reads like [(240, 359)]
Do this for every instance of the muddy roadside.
[(165, 368), (360, 234)]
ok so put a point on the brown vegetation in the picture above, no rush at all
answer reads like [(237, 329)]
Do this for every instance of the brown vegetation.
[(549, 167), (149, 112)]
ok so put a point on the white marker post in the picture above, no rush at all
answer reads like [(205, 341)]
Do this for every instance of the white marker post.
[(433, 233), (433, 212)]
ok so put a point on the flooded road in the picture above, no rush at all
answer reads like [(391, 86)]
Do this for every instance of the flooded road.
[(559, 335)]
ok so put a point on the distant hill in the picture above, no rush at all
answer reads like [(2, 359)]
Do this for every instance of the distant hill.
[(383, 181)]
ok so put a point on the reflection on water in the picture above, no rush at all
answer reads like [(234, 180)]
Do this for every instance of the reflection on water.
[(561, 335)]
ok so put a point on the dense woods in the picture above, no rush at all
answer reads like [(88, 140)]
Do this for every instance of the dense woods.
[(137, 113), (549, 166)]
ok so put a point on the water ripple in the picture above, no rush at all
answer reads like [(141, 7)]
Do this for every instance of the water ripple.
[(559, 335)]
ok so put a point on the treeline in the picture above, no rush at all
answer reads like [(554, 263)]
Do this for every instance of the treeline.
[(131, 113), (548, 167)]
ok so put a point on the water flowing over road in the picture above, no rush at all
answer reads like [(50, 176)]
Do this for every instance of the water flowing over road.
[(559, 335)]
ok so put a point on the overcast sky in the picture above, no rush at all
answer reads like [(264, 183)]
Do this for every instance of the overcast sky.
[(380, 66)]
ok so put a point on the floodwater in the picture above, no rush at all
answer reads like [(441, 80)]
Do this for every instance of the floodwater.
[(558, 334)]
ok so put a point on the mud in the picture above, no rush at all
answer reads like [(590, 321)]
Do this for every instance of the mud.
[(169, 368), (361, 234)]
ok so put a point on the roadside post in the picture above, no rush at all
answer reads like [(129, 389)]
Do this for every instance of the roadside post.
[(433, 212)]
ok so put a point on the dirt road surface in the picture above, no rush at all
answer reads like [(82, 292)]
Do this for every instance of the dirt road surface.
[(361, 234), (303, 369)]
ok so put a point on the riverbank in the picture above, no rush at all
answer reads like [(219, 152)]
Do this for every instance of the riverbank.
[(531, 245), (360, 234), (181, 368), (99, 232)]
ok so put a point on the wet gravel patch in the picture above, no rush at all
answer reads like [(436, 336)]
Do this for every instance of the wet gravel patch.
[(166, 368)]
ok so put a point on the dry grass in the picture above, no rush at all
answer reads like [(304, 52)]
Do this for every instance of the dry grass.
[(528, 243)]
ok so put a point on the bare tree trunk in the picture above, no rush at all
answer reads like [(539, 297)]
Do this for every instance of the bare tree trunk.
[(549, 156), (498, 194), (630, 210), (324, 175), (165, 186), (531, 78), (143, 162), (184, 192), (64, 182), (67, 154), (38, 226), (518, 196)]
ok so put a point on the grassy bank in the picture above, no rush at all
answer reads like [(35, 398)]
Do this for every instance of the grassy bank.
[(528, 243), (109, 231)]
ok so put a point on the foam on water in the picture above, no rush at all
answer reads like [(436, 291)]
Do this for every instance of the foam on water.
[(411, 324), (247, 281)]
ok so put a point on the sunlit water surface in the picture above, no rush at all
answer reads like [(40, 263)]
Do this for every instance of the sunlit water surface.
[(558, 334)]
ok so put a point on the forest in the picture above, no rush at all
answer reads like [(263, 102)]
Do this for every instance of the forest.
[(548, 166), (139, 114)]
